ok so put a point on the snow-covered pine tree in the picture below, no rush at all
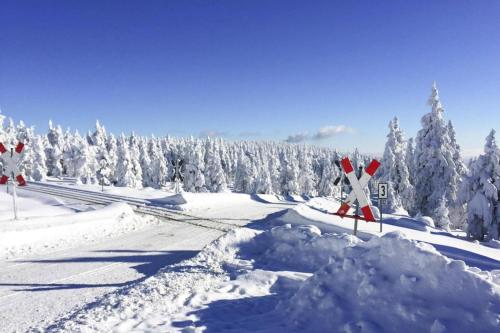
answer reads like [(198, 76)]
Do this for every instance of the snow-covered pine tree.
[(38, 164), (395, 171), (245, 175), (307, 181), (326, 187), (289, 175), (54, 152), (194, 180), (158, 165), (273, 166), (80, 160), (125, 173), (434, 166), (457, 210), (135, 158), (97, 142), (25, 135), (480, 190), (263, 183), (215, 179), (112, 153), (410, 159), (145, 163)]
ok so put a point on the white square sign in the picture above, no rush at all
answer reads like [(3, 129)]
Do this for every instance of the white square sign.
[(382, 190)]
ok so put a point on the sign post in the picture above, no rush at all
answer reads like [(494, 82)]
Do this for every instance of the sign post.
[(177, 175), (11, 160), (381, 197), (358, 195)]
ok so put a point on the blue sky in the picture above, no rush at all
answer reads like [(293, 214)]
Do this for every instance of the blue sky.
[(252, 69)]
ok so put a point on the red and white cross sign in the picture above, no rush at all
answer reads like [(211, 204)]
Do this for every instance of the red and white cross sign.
[(357, 188), (11, 164)]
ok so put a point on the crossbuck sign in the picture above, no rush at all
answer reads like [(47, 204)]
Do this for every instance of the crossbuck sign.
[(11, 164), (357, 189)]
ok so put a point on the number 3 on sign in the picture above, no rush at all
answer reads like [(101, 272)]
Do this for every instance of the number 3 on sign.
[(382, 190)]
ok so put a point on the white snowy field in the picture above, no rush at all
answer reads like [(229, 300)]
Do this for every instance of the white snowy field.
[(299, 269)]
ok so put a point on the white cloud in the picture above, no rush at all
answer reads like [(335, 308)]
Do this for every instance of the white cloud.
[(331, 131), (296, 138)]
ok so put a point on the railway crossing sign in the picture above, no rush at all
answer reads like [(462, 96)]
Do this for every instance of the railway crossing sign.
[(177, 176), (11, 164), (357, 192), (11, 160)]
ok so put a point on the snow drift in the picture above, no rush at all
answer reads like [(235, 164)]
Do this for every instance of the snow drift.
[(372, 287), (297, 279)]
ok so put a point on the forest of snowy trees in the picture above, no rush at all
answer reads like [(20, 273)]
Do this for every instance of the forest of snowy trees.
[(210, 164), (426, 176)]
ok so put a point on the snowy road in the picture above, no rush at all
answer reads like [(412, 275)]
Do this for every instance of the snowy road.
[(36, 291)]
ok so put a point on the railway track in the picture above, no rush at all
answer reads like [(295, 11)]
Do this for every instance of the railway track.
[(140, 206)]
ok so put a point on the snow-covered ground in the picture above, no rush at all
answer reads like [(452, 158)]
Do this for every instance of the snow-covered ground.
[(300, 270), (64, 254)]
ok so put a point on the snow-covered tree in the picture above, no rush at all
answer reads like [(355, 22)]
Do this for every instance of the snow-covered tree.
[(329, 173), (215, 179), (307, 181), (457, 210), (394, 170), (194, 179), (112, 149), (480, 190), (245, 175), (54, 151), (38, 164), (289, 175), (125, 172), (410, 160), (434, 166), (135, 158), (158, 164), (148, 178)]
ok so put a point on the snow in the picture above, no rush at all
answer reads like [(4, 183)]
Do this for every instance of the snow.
[(371, 287), (47, 224), (300, 271), (294, 267)]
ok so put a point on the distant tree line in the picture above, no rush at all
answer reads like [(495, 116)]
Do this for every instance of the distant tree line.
[(209, 164)]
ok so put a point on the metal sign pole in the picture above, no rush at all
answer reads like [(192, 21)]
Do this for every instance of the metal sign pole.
[(382, 195), (360, 171), (356, 214), (380, 211), (14, 198)]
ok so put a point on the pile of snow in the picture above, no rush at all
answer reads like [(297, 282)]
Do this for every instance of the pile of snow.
[(37, 235), (298, 248), (172, 200), (296, 279), (372, 287), (27, 206), (427, 220)]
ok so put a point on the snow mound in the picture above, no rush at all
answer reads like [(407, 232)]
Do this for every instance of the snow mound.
[(173, 200), (38, 235), (304, 215), (373, 287), (298, 248), (427, 220)]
